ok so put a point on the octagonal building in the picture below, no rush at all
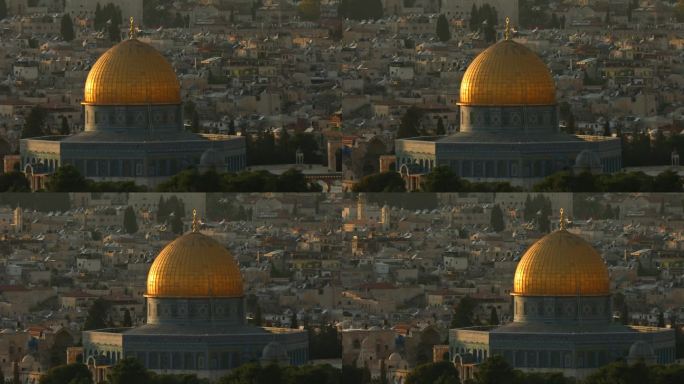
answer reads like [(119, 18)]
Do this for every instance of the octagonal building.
[(196, 321), (134, 127), (509, 126), (562, 317)]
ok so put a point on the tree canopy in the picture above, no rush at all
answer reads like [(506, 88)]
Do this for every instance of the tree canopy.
[(67, 179), (192, 180), (360, 9), (443, 372), (67, 28), (3, 9), (34, 125), (14, 182), (309, 9), (130, 222), (67, 374), (463, 314), (381, 182), (98, 315), (566, 181), (410, 125), (443, 32), (443, 179), (496, 220)]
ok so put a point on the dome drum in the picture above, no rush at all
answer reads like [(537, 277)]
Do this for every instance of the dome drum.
[(201, 311), (164, 118), (562, 309), (519, 119)]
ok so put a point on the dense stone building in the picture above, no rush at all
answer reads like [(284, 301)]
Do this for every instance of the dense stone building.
[(134, 127), (195, 318), (509, 126), (562, 318)]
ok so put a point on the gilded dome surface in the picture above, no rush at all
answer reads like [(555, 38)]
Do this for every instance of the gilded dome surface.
[(561, 264), (132, 73), (194, 265), (507, 74)]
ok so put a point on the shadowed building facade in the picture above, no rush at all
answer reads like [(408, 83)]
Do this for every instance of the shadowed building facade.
[(509, 126), (195, 318), (562, 316), (133, 125)]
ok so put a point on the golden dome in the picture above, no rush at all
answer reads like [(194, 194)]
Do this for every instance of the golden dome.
[(132, 73), (194, 265), (507, 74), (561, 264)]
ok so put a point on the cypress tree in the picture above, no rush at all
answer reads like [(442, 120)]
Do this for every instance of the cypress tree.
[(3, 9), (67, 28), (130, 222), (443, 32)]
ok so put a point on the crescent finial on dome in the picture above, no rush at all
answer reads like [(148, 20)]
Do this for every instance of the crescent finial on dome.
[(507, 31), (131, 31), (562, 219), (195, 221)]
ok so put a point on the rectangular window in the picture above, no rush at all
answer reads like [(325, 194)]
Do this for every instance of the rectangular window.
[(91, 168), (489, 169), (478, 170), (114, 168), (502, 168), (467, 168), (126, 168)]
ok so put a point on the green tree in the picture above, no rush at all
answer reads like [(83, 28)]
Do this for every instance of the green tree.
[(667, 181), (621, 372), (493, 317), (3, 9), (76, 373), (35, 123), (98, 315), (443, 32), (176, 224), (555, 23), (127, 320), (324, 342), (410, 125), (130, 222), (443, 372), (381, 182), (231, 127), (67, 28), (360, 9), (679, 10), (443, 179), (292, 180), (114, 33), (14, 182), (463, 314), (495, 370), (474, 21), (258, 317), (440, 127), (67, 179), (496, 219), (309, 9), (254, 373), (129, 371), (64, 129)]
